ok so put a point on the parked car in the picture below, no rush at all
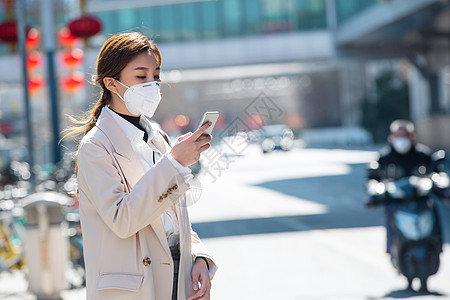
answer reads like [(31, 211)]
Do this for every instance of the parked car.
[(276, 137)]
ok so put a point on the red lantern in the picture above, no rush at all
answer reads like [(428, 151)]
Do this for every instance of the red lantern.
[(33, 39), (85, 27), (66, 38), (35, 83), (73, 82), (8, 32), (72, 58), (34, 59)]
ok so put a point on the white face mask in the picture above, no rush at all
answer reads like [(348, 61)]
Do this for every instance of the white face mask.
[(402, 145), (142, 99)]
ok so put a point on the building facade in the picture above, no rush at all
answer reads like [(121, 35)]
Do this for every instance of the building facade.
[(316, 60)]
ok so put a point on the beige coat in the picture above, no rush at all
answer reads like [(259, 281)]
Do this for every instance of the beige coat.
[(126, 250)]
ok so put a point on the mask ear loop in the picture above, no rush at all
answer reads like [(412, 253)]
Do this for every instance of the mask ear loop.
[(120, 97), (122, 84), (118, 92)]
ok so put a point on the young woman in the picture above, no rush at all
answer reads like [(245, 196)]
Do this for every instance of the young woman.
[(138, 241)]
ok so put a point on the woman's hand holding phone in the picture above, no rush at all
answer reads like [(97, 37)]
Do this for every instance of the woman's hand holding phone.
[(188, 147)]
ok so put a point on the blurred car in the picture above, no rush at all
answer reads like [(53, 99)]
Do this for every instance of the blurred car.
[(276, 137)]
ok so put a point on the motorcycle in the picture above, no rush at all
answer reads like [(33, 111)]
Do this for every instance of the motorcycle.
[(416, 239)]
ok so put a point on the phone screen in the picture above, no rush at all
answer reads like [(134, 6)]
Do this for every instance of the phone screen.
[(209, 116)]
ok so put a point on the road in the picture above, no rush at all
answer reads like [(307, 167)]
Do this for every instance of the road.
[(291, 225)]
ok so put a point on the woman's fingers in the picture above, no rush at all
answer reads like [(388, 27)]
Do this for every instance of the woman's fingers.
[(184, 136), (203, 148), (203, 139), (203, 143), (200, 131), (189, 146), (203, 292), (207, 295)]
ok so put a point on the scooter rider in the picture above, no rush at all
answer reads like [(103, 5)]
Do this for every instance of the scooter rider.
[(402, 157)]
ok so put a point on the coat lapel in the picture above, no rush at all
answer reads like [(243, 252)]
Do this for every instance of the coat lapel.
[(158, 227), (128, 160), (129, 163)]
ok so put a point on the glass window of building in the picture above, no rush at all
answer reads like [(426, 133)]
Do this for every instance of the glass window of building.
[(274, 15), (252, 16), (209, 19), (189, 16), (109, 22), (168, 27), (150, 22), (128, 20), (311, 14), (232, 17), (225, 18)]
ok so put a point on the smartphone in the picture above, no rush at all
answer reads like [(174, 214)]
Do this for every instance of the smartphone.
[(209, 116)]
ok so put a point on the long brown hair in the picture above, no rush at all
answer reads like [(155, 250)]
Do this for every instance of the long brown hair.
[(115, 54)]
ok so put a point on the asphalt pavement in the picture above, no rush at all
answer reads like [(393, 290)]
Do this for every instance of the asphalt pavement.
[(291, 225)]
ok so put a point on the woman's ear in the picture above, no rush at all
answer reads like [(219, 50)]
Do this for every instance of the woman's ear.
[(110, 84)]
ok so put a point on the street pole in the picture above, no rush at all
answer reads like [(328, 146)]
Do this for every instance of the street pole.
[(49, 46), (20, 15)]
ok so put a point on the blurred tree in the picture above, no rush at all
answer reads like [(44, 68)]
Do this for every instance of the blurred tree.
[(389, 102)]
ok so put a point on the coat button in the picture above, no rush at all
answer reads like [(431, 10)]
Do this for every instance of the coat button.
[(146, 261), (160, 199)]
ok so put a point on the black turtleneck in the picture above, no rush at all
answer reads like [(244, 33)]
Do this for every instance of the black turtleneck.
[(135, 121)]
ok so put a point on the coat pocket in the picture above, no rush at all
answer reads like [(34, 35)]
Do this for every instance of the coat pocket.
[(121, 281)]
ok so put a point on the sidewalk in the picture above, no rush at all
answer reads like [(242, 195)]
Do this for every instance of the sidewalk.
[(13, 286)]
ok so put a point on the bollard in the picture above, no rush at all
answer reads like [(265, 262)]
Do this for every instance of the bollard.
[(46, 246)]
